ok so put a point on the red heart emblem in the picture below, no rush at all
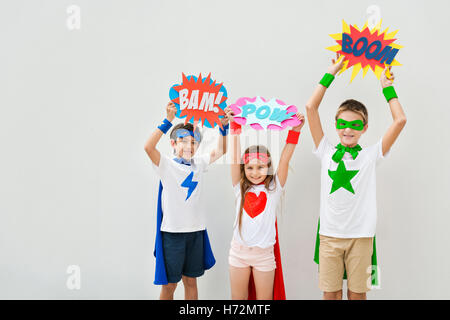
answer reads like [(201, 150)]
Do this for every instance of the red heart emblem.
[(253, 204)]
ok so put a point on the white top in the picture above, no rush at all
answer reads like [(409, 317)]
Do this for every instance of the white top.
[(182, 197), (344, 214), (258, 225)]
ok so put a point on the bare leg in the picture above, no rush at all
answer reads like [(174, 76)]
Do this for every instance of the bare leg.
[(264, 284), (167, 291), (337, 295), (239, 282), (356, 296), (190, 288)]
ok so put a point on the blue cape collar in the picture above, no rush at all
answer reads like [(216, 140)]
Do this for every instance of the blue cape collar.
[(182, 161)]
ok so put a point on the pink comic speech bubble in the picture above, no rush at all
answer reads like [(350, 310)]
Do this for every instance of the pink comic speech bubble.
[(261, 113)]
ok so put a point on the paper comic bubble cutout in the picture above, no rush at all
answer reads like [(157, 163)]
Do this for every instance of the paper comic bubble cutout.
[(366, 49), (199, 99), (261, 114)]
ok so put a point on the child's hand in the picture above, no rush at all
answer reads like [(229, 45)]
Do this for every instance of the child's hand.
[(171, 110), (301, 118), (228, 116), (335, 67), (385, 81)]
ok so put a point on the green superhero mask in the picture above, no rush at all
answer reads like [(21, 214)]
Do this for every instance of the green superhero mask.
[(355, 125)]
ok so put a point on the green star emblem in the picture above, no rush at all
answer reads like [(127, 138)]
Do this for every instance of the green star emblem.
[(341, 178)]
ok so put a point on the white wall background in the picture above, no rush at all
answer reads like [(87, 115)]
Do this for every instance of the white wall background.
[(76, 187)]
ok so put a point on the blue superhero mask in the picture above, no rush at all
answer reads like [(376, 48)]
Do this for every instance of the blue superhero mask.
[(181, 133)]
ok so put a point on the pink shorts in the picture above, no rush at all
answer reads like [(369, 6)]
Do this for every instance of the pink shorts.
[(262, 259)]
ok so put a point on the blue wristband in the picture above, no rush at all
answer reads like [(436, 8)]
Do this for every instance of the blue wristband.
[(165, 126), (224, 132)]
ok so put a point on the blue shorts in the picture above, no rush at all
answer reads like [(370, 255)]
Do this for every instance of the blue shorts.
[(183, 254)]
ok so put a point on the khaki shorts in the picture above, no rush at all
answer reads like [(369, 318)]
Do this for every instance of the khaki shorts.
[(354, 255)]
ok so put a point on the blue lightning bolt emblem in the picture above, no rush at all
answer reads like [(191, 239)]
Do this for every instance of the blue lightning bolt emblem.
[(188, 183)]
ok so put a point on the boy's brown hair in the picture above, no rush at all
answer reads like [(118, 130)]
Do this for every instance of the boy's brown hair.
[(355, 106), (188, 126)]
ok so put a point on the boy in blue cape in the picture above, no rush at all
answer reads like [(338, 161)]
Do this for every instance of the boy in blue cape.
[(182, 247)]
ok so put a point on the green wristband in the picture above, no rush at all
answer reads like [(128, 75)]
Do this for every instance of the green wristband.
[(327, 80), (389, 93)]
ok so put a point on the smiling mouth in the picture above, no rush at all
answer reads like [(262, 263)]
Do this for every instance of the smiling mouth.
[(348, 136)]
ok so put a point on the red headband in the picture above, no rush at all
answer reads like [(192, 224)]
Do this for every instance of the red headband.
[(256, 155)]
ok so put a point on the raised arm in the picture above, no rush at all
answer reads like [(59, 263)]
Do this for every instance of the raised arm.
[(150, 145), (398, 116), (235, 145), (222, 141), (312, 106), (288, 150)]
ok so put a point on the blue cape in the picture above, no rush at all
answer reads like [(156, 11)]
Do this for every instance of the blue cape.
[(160, 268)]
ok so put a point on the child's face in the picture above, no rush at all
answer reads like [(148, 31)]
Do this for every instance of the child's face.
[(185, 147), (256, 171), (349, 137)]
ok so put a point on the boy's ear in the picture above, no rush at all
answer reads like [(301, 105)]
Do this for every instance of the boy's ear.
[(365, 128), (173, 144)]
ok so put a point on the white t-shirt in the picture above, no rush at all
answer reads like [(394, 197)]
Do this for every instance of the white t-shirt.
[(344, 214), (182, 197), (258, 230)]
